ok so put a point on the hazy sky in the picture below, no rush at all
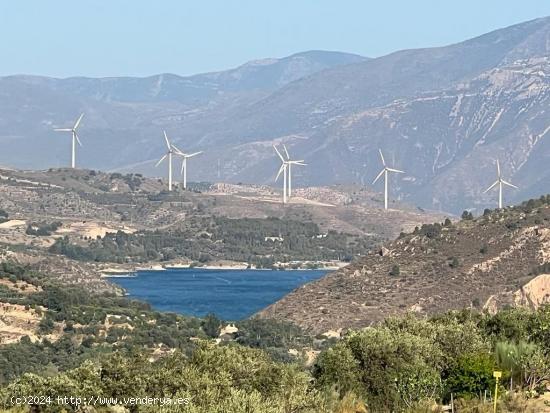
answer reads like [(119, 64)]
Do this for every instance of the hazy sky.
[(142, 37)]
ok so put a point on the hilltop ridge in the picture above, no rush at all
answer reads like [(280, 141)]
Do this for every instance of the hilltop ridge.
[(76, 223)]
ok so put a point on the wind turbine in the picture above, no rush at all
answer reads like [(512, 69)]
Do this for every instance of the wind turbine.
[(282, 170), (290, 163), (384, 172), (75, 139), (185, 156), (168, 155), (499, 182)]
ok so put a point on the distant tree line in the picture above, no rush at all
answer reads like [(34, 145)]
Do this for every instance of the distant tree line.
[(260, 242)]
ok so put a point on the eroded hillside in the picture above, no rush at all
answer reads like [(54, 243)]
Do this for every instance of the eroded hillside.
[(478, 262)]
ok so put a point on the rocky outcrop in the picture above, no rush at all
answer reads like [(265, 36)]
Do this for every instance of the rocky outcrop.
[(535, 293)]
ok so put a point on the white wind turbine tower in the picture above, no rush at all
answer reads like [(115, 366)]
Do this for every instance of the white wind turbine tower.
[(168, 155), (500, 182), (282, 170), (185, 156), (384, 172), (75, 139), (290, 163)]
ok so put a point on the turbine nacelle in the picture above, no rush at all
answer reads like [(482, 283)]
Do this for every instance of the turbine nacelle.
[(184, 156)]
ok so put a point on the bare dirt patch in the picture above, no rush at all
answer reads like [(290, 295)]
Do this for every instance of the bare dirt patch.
[(17, 322), (20, 286), (13, 223), (92, 229)]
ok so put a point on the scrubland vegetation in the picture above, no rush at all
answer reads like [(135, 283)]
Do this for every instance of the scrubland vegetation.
[(114, 347)]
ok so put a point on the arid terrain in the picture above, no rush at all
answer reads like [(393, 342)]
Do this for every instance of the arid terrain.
[(489, 262)]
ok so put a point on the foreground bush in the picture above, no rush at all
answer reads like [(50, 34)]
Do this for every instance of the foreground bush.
[(408, 361), (214, 379), (391, 370)]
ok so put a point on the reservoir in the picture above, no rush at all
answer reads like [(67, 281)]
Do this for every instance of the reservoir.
[(230, 294)]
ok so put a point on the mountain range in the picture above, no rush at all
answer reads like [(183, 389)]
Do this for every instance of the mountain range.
[(443, 115)]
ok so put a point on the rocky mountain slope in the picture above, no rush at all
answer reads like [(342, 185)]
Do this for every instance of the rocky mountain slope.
[(441, 114), (489, 262)]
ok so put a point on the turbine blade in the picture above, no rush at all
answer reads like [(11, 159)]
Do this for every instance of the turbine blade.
[(281, 169), (160, 160), (491, 187), (167, 141), (63, 130), (509, 184), (177, 150), (378, 176), (286, 152), (382, 157), (182, 165), (278, 153), (498, 168), (193, 154), (299, 163), (77, 139), (78, 121), (395, 170)]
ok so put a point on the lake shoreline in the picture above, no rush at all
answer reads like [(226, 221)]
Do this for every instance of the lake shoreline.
[(131, 270)]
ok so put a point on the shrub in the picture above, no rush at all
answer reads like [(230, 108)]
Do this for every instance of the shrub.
[(391, 369), (211, 325), (46, 325), (3, 216), (429, 230), (472, 374), (395, 270), (43, 229)]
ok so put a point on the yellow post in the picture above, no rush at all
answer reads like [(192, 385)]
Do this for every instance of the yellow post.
[(497, 375)]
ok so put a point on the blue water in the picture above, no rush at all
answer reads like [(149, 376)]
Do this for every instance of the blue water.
[(230, 294)]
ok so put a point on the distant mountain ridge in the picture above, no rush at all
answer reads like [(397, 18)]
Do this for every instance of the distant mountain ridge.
[(258, 75), (441, 114)]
